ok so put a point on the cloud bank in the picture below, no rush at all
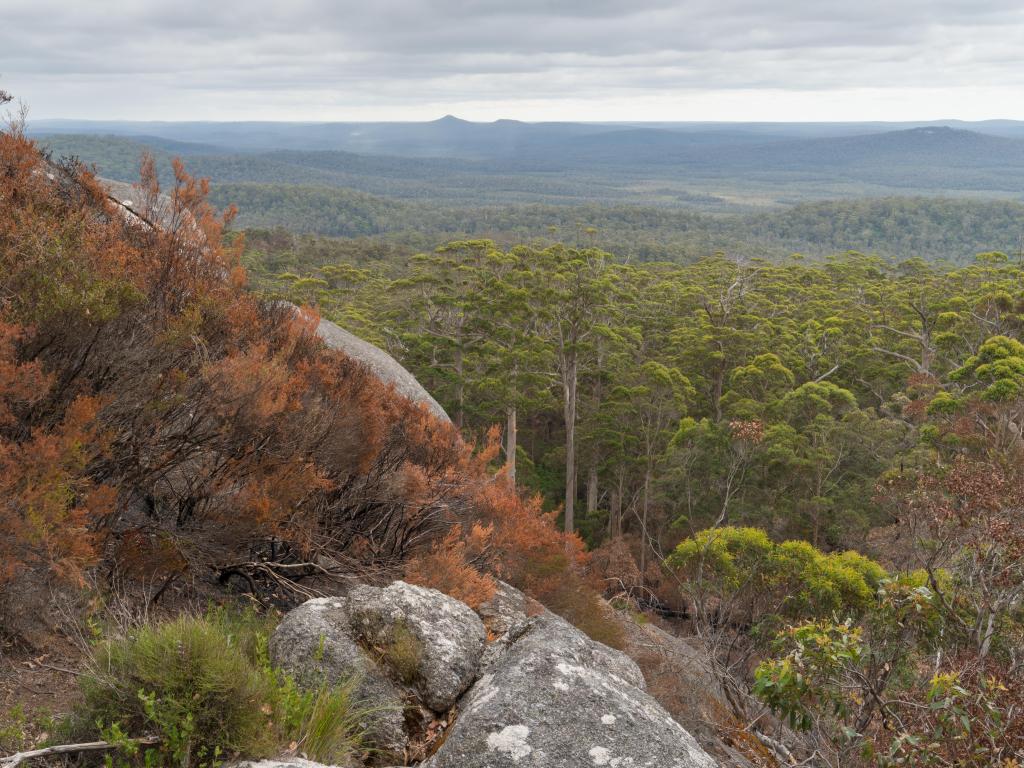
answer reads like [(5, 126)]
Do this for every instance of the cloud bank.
[(530, 59)]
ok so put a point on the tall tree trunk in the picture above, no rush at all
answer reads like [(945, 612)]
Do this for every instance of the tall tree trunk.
[(569, 391), (716, 393), (591, 491), (511, 435), (617, 505), (644, 540), (927, 351), (460, 390)]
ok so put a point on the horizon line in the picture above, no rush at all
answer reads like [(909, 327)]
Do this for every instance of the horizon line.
[(450, 117)]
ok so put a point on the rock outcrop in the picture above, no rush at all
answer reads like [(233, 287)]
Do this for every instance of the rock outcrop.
[(380, 363), (410, 649), (442, 638), (315, 644), (383, 365), (539, 693), (554, 697)]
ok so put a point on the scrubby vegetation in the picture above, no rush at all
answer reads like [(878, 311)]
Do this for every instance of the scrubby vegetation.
[(161, 420), (735, 439), (203, 691)]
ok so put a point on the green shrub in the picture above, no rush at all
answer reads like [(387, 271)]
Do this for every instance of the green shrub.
[(205, 687), (762, 580), (329, 730), (14, 726), (187, 681)]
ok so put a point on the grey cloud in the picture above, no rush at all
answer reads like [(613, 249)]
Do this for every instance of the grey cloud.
[(418, 51)]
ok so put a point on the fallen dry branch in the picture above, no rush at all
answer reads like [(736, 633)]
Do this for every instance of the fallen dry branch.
[(71, 749), (272, 574)]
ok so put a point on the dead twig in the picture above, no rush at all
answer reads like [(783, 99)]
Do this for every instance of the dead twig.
[(71, 749)]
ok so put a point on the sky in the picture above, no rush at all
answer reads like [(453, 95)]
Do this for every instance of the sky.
[(630, 60)]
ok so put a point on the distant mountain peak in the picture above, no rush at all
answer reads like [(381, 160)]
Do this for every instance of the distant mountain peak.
[(937, 129), (452, 120)]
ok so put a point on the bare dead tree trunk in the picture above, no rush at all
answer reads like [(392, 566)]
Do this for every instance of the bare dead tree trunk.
[(645, 541)]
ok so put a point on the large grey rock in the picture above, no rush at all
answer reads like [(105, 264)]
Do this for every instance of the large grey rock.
[(447, 637), (510, 614), (556, 698), (136, 202), (287, 762), (540, 694), (383, 365), (315, 645), (407, 646)]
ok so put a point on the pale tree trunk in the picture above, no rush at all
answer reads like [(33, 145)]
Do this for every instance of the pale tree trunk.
[(460, 390), (591, 491), (511, 434), (644, 542), (569, 391), (617, 504), (716, 393)]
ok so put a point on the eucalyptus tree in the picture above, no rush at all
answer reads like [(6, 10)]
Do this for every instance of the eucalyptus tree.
[(572, 303), (437, 306)]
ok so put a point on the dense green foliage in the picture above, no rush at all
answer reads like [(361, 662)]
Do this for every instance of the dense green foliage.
[(736, 391), (205, 688)]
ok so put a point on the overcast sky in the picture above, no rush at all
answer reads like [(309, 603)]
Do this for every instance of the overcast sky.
[(525, 59)]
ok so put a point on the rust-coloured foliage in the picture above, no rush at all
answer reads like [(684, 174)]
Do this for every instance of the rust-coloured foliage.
[(48, 503), (448, 566), (157, 415)]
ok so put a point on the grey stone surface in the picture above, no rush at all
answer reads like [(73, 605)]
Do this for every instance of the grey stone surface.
[(558, 699), (314, 643), (158, 211), (383, 365), (541, 694), (286, 762), (450, 637)]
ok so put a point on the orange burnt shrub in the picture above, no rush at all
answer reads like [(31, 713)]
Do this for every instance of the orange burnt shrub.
[(49, 505), (448, 566), (158, 417)]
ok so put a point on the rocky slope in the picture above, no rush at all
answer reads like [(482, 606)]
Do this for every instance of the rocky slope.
[(509, 685)]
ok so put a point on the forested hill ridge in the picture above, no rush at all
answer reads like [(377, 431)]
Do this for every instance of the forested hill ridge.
[(628, 165), (643, 193), (935, 229), (454, 137)]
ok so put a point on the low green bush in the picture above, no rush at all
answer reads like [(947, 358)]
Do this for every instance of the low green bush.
[(204, 686)]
